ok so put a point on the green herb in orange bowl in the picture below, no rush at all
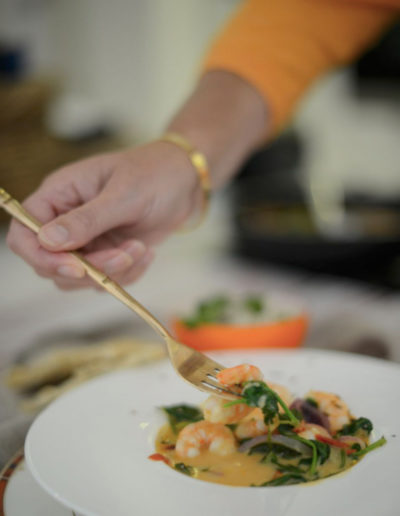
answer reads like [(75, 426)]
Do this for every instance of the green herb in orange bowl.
[(251, 321)]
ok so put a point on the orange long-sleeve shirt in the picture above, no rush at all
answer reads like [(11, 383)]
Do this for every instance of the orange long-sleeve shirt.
[(282, 46)]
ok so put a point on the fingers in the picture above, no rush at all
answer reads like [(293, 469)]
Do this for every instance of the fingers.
[(134, 273), (25, 244), (94, 206), (45, 264), (81, 225), (123, 277), (117, 261)]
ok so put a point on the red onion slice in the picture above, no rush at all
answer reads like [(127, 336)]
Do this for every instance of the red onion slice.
[(310, 413), (245, 447), (283, 440)]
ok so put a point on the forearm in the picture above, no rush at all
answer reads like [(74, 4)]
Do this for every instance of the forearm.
[(225, 118), (282, 47)]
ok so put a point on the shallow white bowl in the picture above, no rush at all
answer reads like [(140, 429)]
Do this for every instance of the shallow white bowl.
[(89, 448)]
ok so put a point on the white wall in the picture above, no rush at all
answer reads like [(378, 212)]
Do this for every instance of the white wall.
[(136, 57), (351, 143)]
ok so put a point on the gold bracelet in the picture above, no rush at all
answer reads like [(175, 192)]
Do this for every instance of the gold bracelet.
[(199, 162)]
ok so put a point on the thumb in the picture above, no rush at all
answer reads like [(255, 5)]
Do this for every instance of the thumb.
[(80, 226)]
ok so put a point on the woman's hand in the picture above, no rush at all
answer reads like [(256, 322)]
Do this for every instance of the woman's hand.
[(113, 207), (116, 206)]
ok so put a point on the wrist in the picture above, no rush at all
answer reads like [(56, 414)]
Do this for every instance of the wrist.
[(225, 119), (180, 179), (200, 166)]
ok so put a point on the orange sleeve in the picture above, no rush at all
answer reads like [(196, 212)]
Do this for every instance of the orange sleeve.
[(281, 46)]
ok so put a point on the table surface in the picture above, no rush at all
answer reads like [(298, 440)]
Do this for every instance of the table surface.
[(188, 267)]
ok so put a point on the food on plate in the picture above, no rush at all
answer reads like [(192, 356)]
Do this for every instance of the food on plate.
[(266, 437), (252, 321)]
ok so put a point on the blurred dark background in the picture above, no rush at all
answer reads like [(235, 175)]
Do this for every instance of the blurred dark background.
[(287, 213)]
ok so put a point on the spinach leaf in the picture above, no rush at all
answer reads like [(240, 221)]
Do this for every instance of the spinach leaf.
[(184, 468), (181, 415), (285, 468), (305, 462), (320, 452), (278, 449), (285, 418), (312, 402), (311, 444), (211, 311), (323, 451), (258, 394), (285, 429), (361, 424), (232, 426), (367, 449), (254, 304), (288, 479)]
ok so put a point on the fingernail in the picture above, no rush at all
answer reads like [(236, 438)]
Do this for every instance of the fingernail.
[(70, 271), (54, 235), (135, 249), (119, 263)]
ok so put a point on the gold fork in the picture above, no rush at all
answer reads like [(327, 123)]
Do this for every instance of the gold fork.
[(194, 367)]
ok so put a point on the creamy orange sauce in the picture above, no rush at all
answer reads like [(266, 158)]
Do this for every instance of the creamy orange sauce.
[(239, 469)]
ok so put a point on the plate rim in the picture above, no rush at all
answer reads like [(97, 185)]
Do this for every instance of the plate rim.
[(6, 473), (305, 351)]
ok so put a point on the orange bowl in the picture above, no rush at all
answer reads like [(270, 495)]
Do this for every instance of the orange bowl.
[(287, 333)]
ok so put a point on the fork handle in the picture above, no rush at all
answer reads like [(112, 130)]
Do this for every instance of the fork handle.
[(14, 208)]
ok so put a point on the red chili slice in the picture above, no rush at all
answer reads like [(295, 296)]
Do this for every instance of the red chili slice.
[(335, 442), (159, 456), (299, 428)]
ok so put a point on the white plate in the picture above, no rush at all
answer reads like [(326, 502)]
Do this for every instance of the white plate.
[(20, 494), (89, 449)]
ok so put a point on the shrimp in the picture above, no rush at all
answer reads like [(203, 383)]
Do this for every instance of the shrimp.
[(283, 392), (214, 408), (203, 435), (252, 426), (216, 411), (333, 407), (239, 374), (310, 430), (244, 373)]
